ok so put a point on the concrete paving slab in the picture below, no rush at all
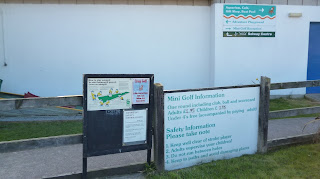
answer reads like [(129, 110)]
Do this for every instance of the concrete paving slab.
[(314, 97), (49, 162), (281, 128)]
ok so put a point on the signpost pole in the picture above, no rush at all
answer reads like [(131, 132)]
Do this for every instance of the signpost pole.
[(263, 114), (84, 135), (149, 156), (159, 127), (84, 167)]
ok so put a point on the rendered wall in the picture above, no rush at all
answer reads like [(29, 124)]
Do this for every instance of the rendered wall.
[(283, 58), (49, 47)]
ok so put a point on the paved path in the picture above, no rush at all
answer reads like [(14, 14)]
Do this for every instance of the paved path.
[(291, 127), (46, 162), (314, 97)]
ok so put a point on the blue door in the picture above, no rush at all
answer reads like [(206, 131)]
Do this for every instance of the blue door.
[(314, 56)]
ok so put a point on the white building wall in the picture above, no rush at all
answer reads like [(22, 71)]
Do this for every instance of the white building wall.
[(213, 46), (284, 58), (49, 47)]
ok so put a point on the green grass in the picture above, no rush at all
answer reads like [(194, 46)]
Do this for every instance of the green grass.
[(25, 130), (290, 162), (291, 103)]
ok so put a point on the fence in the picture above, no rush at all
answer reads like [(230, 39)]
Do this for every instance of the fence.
[(293, 112), (299, 111), (12, 104), (265, 87)]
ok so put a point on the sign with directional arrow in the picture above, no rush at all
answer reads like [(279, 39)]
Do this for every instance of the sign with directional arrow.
[(249, 21)]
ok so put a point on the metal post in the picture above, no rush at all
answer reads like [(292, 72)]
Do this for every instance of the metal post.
[(149, 156), (84, 167)]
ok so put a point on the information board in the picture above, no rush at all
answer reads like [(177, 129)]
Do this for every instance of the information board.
[(109, 93), (115, 121), (249, 20), (135, 127), (201, 126)]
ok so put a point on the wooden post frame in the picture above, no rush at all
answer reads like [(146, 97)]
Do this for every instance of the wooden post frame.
[(263, 114), (159, 127), (231, 101)]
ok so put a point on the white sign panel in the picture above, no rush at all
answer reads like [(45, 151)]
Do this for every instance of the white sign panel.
[(134, 126), (109, 93), (202, 126), (140, 90)]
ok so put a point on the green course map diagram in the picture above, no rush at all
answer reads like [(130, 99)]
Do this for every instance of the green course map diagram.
[(109, 93), (108, 98)]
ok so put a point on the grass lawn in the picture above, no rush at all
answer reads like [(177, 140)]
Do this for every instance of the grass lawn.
[(290, 162), (291, 103), (25, 130)]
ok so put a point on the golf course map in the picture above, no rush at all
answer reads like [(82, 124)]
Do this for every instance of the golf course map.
[(108, 98)]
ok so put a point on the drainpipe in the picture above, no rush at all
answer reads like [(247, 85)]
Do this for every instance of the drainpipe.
[(3, 39)]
